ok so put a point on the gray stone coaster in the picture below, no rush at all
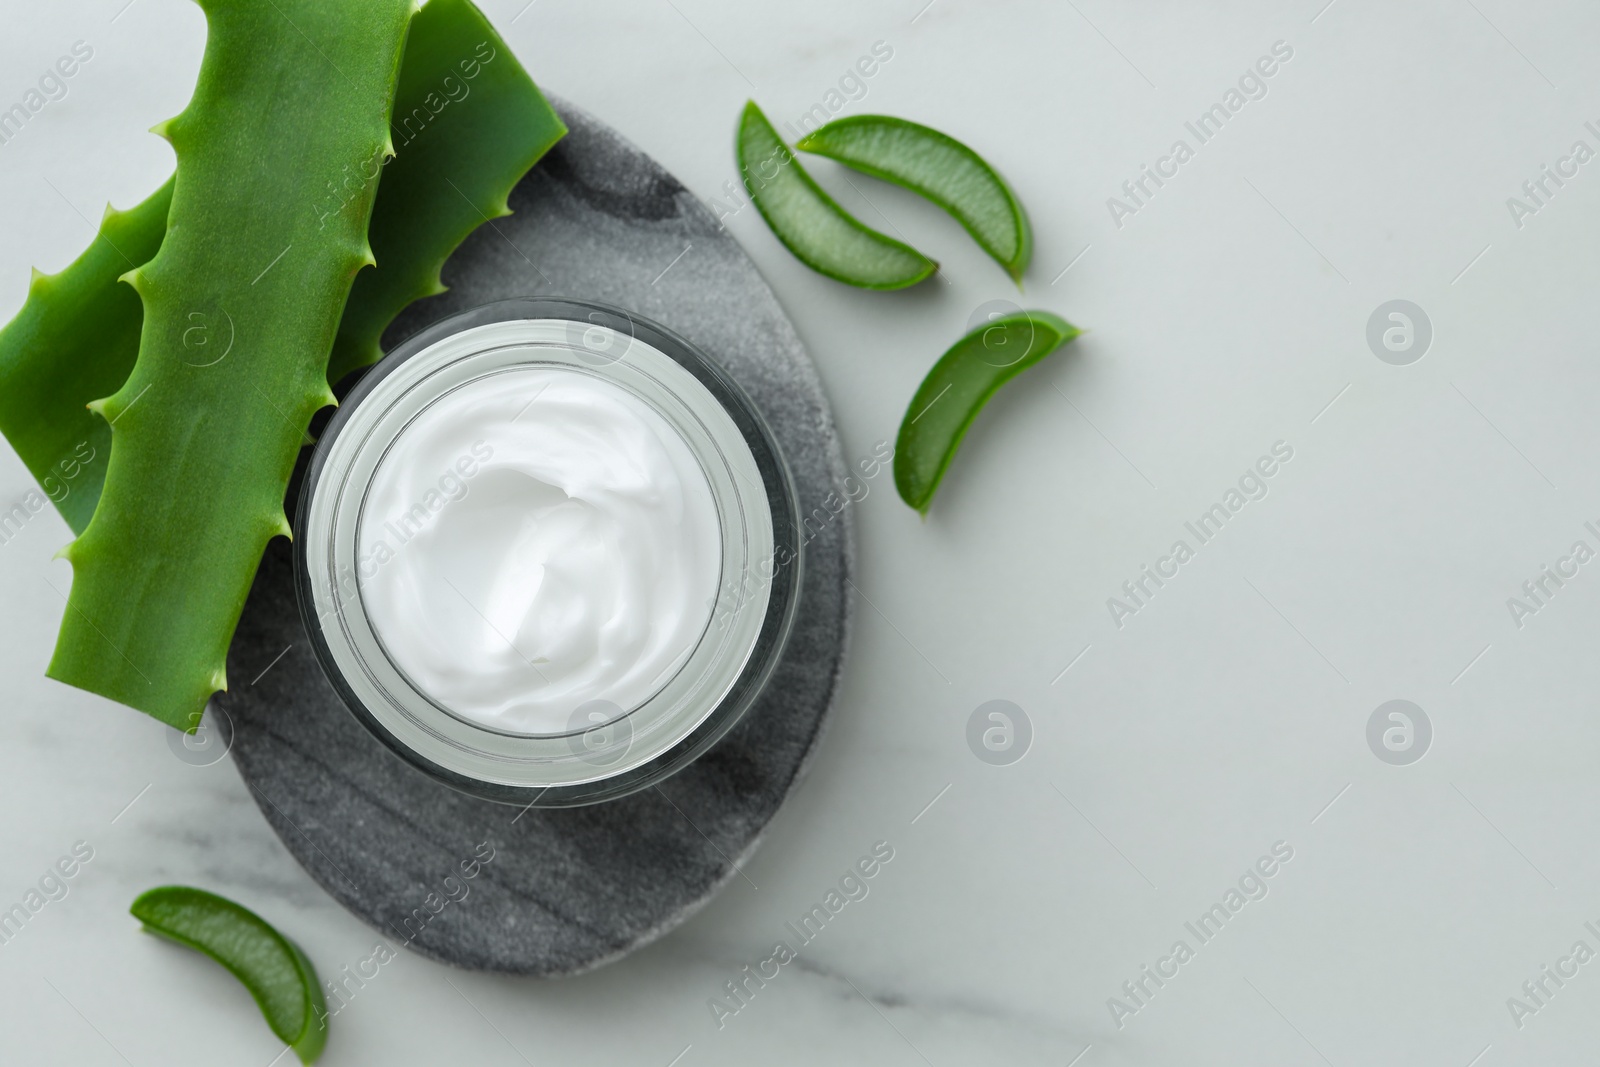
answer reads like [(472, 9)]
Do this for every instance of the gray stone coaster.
[(565, 890)]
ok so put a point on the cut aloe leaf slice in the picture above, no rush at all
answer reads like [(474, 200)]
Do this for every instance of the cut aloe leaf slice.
[(272, 968), (819, 232), (939, 167), (956, 389)]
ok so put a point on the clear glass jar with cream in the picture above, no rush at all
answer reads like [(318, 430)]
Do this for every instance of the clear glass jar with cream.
[(547, 552)]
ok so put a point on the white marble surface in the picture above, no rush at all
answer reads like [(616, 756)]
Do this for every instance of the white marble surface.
[(1225, 716)]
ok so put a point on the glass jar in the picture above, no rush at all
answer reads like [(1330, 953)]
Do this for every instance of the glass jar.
[(605, 750)]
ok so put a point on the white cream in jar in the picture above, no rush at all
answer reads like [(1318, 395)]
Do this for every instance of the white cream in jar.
[(545, 550)]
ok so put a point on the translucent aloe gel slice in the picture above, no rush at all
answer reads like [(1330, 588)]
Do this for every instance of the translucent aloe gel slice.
[(290, 94), (820, 233), (77, 335), (958, 387), (940, 168), (274, 970)]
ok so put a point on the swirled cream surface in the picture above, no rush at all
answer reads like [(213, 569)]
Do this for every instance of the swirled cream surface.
[(535, 542)]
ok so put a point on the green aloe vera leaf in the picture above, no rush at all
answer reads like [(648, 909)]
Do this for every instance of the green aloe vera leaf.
[(77, 335), (75, 339), (468, 124), (204, 439), (819, 232), (956, 389), (939, 167), (274, 970)]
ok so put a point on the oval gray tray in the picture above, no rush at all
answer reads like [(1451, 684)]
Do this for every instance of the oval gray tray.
[(565, 890)]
